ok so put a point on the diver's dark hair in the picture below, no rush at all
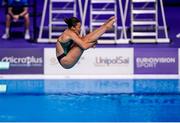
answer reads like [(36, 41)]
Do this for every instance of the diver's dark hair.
[(71, 22)]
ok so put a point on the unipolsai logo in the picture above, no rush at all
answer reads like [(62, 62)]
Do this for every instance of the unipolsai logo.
[(28, 61), (113, 61)]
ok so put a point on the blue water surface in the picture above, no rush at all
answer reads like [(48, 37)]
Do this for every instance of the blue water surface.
[(83, 100), (92, 107)]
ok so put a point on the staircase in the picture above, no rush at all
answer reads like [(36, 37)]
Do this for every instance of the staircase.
[(57, 8), (144, 21), (100, 11)]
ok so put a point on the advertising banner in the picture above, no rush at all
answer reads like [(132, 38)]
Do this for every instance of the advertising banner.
[(22, 61), (98, 61), (156, 61)]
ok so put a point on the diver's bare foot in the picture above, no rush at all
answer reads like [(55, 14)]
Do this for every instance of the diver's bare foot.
[(110, 19), (110, 22)]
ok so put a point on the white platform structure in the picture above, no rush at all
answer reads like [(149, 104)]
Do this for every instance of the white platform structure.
[(119, 34), (67, 7), (144, 14), (100, 8)]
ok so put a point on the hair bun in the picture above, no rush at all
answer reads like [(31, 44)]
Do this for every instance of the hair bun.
[(71, 21)]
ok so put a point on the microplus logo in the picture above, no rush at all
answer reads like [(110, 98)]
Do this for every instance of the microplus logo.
[(23, 61), (119, 60), (153, 62)]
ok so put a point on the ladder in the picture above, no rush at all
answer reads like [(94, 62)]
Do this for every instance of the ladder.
[(100, 11), (58, 10), (144, 21), (147, 30)]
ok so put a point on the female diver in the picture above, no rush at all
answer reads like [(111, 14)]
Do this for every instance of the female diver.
[(70, 45)]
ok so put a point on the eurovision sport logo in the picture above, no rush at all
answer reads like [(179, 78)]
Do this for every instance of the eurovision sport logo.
[(156, 61)]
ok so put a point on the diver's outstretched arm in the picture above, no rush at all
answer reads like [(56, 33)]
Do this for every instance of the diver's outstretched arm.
[(91, 39)]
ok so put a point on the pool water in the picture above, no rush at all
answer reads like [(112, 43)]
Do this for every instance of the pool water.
[(90, 107)]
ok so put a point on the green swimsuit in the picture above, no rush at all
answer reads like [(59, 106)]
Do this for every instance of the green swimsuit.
[(66, 47)]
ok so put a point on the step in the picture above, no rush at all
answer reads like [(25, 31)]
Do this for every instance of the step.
[(108, 35), (102, 41), (152, 40), (62, 1), (142, 1), (56, 33), (144, 40), (58, 22), (103, 12), (62, 11), (97, 23), (103, 1), (144, 23), (143, 34), (144, 11)]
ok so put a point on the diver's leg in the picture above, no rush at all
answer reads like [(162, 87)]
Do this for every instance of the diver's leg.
[(93, 36), (72, 57)]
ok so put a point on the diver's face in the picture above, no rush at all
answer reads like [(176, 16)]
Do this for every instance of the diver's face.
[(78, 27)]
